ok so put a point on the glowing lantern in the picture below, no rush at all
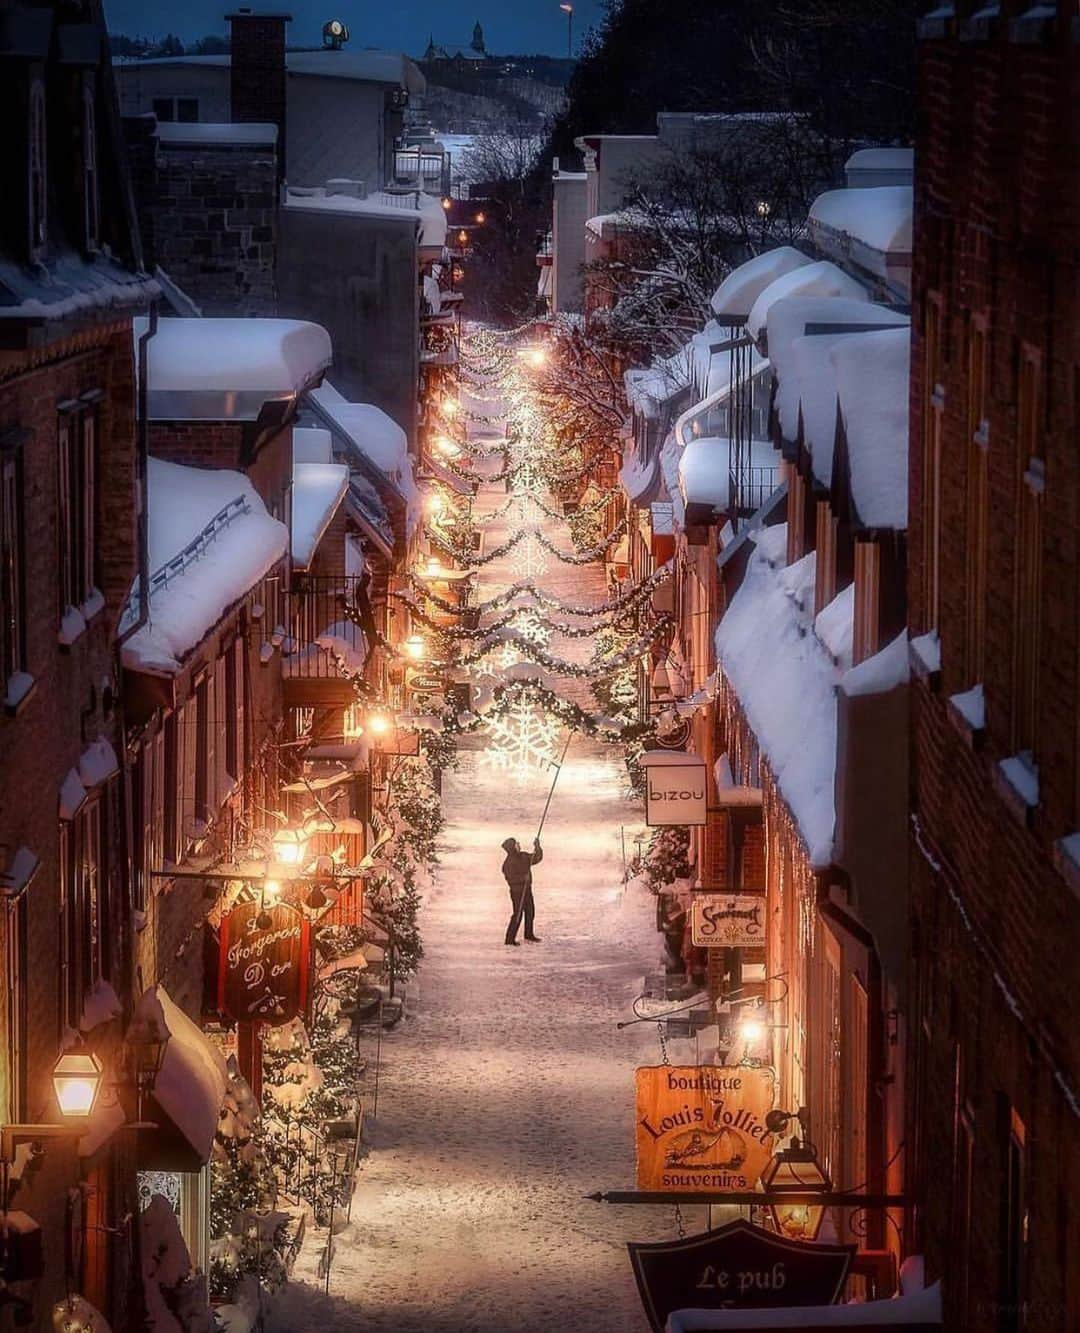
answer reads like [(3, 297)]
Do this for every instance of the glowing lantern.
[(76, 1079)]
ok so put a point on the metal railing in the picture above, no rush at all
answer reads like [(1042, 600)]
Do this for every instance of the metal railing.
[(321, 633), (752, 486), (429, 169)]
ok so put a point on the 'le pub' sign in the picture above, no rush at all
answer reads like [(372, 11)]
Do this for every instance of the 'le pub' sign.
[(264, 972)]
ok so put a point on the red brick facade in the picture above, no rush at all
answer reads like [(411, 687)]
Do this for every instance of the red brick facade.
[(994, 1170)]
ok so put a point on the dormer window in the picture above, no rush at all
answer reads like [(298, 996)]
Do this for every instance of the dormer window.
[(37, 192), (90, 194)]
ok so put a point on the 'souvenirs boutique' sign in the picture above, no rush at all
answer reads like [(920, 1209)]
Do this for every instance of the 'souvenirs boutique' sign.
[(728, 921), (702, 1127)]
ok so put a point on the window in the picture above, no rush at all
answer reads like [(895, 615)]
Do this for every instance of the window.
[(77, 455), (148, 803), (16, 1007), (933, 406), (12, 583), (1014, 1222), (179, 785), (1027, 618), (182, 109), (37, 178), (91, 204), (84, 939), (977, 498)]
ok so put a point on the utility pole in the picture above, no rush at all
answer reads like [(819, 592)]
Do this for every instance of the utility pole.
[(568, 10)]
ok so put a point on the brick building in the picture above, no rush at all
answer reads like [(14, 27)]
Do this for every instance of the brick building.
[(993, 591), (70, 281)]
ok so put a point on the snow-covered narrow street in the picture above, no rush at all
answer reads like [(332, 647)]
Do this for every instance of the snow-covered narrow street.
[(507, 1093)]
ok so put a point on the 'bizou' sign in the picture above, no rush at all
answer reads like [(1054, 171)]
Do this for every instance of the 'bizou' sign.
[(728, 921), (676, 789)]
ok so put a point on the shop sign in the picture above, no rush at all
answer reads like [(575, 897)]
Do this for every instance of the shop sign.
[(264, 973), (675, 789), (702, 1127), (398, 742), (736, 1267), (727, 921)]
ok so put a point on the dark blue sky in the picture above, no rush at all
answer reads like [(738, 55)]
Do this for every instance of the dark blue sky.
[(510, 26)]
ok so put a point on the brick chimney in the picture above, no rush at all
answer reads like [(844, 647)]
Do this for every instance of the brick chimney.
[(257, 83)]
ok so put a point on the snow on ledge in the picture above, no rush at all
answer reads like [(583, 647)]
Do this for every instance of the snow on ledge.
[(318, 490), (879, 216), (820, 279), (734, 298), (1022, 777), (255, 359), (971, 705), (887, 669), (216, 135), (786, 684), (926, 652)]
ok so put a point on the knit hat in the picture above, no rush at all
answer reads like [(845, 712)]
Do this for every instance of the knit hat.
[(509, 845)]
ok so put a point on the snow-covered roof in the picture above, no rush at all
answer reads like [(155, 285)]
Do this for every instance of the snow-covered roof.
[(318, 490), (878, 216), (423, 209), (208, 134), (820, 279), (872, 384), (734, 298), (69, 285), (785, 681), (605, 226), (884, 671), (640, 481), (880, 159), (227, 369), (238, 543), (361, 65), (191, 1084), (373, 438)]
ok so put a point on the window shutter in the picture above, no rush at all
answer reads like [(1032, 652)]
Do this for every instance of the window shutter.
[(219, 724), (157, 805), (239, 652), (64, 498), (87, 526), (208, 756)]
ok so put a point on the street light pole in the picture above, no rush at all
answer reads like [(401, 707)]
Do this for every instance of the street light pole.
[(568, 10)]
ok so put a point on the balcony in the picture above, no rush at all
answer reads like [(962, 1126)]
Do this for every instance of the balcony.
[(426, 169), (324, 648)]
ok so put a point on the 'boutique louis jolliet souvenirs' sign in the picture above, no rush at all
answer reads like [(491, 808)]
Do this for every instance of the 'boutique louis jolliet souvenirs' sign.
[(736, 1267), (727, 921), (676, 788), (702, 1127), (265, 970)]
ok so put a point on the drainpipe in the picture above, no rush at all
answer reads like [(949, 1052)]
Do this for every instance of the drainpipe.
[(142, 442)]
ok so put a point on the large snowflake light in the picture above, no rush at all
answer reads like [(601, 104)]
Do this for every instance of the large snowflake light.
[(529, 557), (522, 739)]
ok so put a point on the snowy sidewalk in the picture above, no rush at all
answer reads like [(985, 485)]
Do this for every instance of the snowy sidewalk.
[(508, 1094)]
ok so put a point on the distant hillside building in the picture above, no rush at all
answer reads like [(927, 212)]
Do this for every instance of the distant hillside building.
[(472, 57)]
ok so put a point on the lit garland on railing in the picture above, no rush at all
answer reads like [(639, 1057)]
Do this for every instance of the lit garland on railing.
[(569, 713), (592, 508), (465, 633)]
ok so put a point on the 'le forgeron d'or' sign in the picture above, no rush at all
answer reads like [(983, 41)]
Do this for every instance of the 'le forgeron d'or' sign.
[(702, 1127)]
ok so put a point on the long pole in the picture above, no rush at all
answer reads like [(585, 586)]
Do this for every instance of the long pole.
[(551, 793)]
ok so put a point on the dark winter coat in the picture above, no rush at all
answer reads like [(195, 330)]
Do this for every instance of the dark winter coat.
[(517, 868)]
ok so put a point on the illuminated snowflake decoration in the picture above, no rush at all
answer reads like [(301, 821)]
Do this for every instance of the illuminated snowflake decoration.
[(529, 557), (522, 739), (528, 623), (525, 512)]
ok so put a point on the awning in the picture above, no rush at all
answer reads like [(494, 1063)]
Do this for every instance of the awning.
[(189, 1090), (448, 477)]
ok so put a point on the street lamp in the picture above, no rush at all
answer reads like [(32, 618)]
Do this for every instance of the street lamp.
[(289, 846), (568, 10), (794, 1170), (414, 647), (451, 407), (378, 724), (76, 1080)]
